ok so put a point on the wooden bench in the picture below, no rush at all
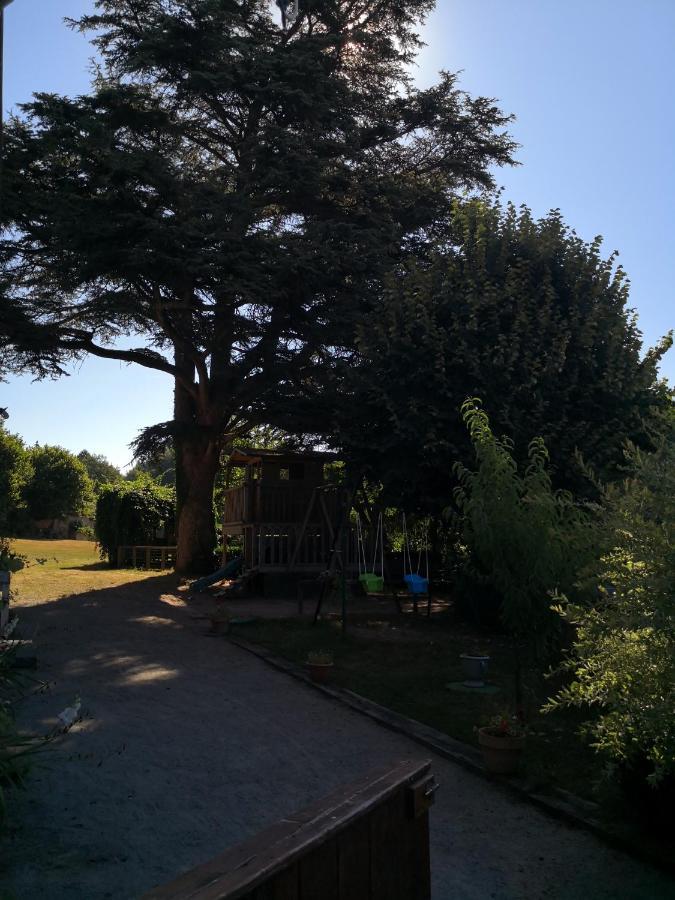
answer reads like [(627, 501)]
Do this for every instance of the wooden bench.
[(368, 841)]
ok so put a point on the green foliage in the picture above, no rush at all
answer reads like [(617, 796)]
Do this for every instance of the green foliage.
[(520, 312), (132, 513), (59, 485), (623, 659), (15, 472), (99, 470), (16, 748), (9, 560), (526, 540), (161, 468)]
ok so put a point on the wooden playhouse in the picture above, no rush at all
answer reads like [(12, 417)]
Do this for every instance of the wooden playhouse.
[(290, 518)]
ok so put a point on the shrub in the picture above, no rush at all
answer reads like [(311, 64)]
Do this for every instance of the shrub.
[(623, 658), (525, 540), (134, 512), (15, 748), (15, 472), (9, 560)]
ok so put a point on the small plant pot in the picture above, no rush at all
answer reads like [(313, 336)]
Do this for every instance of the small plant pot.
[(220, 626), (501, 753), (319, 672), (474, 669)]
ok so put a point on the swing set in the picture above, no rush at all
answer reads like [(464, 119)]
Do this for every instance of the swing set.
[(372, 579)]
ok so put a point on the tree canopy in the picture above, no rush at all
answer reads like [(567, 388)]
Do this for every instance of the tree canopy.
[(99, 469), (59, 485), (521, 313), (230, 194)]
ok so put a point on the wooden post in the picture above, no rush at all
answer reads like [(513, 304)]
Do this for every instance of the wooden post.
[(4, 600), (133, 557), (148, 561)]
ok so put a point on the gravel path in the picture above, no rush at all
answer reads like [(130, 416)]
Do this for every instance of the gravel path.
[(191, 744)]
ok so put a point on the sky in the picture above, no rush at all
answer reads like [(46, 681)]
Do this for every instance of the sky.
[(591, 83)]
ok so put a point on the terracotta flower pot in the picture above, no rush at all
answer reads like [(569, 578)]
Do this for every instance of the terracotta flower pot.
[(501, 753), (319, 672), (220, 626)]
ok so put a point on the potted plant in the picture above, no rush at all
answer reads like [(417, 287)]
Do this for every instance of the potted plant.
[(319, 663), (474, 668), (220, 621), (502, 742)]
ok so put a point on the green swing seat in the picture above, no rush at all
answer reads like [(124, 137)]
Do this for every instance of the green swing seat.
[(372, 583)]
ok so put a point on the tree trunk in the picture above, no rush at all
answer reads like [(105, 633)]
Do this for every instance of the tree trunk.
[(199, 462), (184, 417)]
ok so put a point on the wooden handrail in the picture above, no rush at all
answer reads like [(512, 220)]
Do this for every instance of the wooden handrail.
[(369, 839)]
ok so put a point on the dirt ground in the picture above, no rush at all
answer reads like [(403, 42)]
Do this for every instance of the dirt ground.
[(190, 744)]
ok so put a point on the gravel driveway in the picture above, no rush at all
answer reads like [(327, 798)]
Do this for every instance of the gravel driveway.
[(190, 745)]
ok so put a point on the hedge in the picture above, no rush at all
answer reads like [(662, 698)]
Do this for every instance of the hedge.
[(130, 513)]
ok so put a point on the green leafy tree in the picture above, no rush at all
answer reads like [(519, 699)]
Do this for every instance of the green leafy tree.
[(15, 472), (622, 663), (230, 193), (161, 467), (59, 485), (99, 470), (525, 539), (525, 315)]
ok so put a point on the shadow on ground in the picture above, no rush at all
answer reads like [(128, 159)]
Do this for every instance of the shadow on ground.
[(188, 745)]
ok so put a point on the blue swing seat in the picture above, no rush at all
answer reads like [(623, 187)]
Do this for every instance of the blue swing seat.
[(416, 584)]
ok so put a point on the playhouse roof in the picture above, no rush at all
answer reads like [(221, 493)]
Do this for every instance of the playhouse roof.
[(246, 456)]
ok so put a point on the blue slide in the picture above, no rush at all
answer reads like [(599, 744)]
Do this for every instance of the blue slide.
[(231, 570)]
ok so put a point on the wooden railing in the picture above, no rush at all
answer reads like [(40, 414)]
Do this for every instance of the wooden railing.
[(146, 557), (274, 547), (369, 841), (276, 503)]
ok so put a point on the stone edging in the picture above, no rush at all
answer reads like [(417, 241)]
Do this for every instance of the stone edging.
[(561, 804)]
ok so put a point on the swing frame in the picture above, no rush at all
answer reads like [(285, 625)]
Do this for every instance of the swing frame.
[(372, 582)]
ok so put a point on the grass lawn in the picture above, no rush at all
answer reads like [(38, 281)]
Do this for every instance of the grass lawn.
[(406, 667), (59, 568)]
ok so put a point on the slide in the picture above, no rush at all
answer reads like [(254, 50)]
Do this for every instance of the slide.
[(231, 570)]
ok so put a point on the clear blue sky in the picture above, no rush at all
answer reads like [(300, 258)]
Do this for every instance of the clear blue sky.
[(592, 85)]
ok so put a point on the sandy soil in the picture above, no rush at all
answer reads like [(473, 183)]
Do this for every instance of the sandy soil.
[(190, 744)]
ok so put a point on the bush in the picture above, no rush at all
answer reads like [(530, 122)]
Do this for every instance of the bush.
[(9, 560), (134, 512), (15, 472), (623, 658), (15, 748), (525, 540)]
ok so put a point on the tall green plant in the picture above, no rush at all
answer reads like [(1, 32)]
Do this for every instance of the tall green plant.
[(525, 539), (623, 658)]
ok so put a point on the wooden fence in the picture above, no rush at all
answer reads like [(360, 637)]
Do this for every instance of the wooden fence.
[(146, 557), (369, 841)]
